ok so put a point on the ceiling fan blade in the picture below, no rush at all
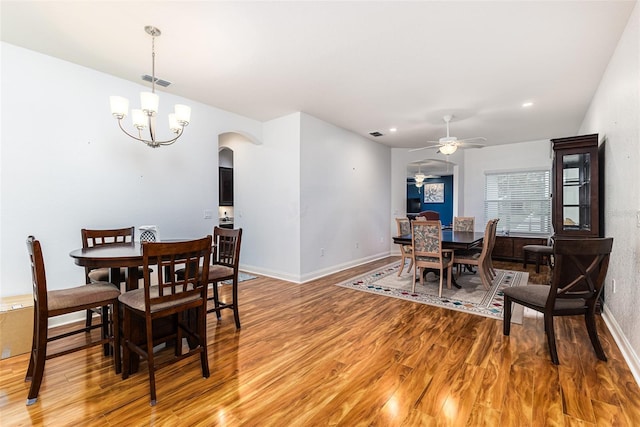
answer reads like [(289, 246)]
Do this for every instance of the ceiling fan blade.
[(469, 145), (474, 139), (424, 148)]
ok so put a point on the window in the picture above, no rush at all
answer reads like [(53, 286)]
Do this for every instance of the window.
[(521, 199)]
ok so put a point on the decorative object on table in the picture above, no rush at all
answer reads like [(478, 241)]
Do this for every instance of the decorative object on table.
[(93, 238), (145, 117), (149, 233), (471, 298), (181, 301), (580, 267), (434, 192), (48, 304), (449, 144)]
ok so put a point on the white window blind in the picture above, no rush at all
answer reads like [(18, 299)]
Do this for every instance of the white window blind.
[(521, 199)]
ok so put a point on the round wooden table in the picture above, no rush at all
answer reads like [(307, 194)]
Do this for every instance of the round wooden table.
[(113, 257)]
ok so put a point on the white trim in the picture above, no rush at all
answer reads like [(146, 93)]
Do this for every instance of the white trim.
[(628, 353)]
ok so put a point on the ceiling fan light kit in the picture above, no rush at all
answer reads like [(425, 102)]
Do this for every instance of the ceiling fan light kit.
[(448, 145)]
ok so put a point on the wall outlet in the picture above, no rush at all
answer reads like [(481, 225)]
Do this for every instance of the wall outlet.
[(208, 214), (357, 245), (321, 251)]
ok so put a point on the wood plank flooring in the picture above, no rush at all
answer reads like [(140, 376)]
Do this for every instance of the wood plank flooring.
[(318, 355)]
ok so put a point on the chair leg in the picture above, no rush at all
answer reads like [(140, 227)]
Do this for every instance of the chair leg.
[(506, 319), (590, 320), (151, 363), (115, 328), (413, 286), (35, 371), (551, 338), (89, 318), (126, 351), (402, 260), (202, 333), (104, 314), (234, 293), (216, 300)]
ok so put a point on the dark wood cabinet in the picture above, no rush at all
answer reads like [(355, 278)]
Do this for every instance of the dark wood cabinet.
[(576, 198), (509, 248), (225, 186)]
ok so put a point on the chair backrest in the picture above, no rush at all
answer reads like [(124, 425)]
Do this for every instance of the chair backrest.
[(404, 226), (38, 275), (91, 238), (487, 244), (430, 215), (227, 247), (168, 257), (494, 229), (463, 223), (580, 269), (426, 238)]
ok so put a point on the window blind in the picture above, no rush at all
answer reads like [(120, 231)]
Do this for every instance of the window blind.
[(521, 199)]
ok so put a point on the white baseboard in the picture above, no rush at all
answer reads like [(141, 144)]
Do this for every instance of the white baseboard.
[(628, 353)]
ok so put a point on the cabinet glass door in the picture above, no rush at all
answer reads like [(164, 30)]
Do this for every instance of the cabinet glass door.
[(576, 194)]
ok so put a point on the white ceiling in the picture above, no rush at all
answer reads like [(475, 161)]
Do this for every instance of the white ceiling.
[(362, 65)]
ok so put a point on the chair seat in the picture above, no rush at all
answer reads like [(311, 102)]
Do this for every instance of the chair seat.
[(537, 295), (216, 272), (135, 300), (445, 259), (538, 249), (470, 256), (93, 293)]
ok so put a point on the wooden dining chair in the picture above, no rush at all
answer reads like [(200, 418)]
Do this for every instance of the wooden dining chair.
[(427, 252), (182, 302), (404, 228), (92, 238), (464, 223), (225, 266), (580, 268), (479, 259), (52, 303)]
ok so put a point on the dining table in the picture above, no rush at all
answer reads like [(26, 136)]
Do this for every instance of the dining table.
[(460, 240)]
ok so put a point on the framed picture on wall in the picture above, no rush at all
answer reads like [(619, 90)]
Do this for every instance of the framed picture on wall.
[(434, 193)]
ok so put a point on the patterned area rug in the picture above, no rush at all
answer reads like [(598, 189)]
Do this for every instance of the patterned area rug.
[(471, 298), (242, 277)]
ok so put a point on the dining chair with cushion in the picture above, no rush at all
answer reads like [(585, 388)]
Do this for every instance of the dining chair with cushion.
[(481, 258), (404, 228), (225, 266), (427, 252), (429, 215), (93, 238), (48, 304), (540, 252), (577, 280), (464, 223), (181, 302)]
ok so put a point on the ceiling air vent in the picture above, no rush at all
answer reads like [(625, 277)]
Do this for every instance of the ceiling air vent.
[(159, 82), (376, 133)]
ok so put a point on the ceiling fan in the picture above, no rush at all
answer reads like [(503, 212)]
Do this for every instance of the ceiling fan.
[(449, 144)]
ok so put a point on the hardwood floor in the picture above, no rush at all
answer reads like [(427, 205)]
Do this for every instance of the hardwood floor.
[(317, 355)]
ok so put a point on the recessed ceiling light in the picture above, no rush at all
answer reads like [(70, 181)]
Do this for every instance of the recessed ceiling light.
[(393, 129), (527, 104)]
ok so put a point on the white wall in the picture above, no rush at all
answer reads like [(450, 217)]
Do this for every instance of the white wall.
[(614, 114), (66, 165), (267, 199), (344, 198)]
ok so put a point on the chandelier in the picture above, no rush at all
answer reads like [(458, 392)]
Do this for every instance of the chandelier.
[(145, 117)]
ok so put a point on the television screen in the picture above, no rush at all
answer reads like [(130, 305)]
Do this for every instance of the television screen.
[(414, 205)]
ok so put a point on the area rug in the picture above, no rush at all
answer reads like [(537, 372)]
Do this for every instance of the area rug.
[(471, 298), (242, 277)]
